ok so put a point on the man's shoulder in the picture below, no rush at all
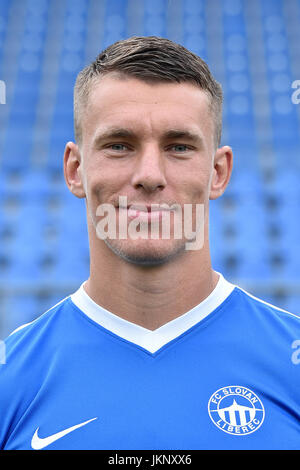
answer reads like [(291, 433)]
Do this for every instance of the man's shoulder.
[(34, 331), (29, 352), (267, 306), (265, 312), (31, 348)]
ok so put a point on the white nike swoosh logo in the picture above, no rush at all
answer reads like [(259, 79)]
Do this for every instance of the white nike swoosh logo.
[(38, 443)]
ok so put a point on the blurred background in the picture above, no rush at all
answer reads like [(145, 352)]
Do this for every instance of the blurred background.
[(253, 49)]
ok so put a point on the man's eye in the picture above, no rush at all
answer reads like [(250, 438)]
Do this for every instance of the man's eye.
[(118, 147), (180, 148)]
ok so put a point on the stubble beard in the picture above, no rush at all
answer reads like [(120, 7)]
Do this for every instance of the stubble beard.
[(146, 256)]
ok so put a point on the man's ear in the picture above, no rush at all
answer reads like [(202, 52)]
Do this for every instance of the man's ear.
[(223, 161), (72, 169)]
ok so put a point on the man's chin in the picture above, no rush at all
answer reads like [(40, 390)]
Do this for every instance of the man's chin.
[(146, 252)]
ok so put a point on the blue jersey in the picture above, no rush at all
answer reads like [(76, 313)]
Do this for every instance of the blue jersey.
[(225, 375)]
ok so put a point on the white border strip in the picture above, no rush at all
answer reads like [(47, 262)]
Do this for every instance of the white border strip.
[(148, 339)]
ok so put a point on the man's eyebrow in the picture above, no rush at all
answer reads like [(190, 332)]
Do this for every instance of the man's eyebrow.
[(119, 132), (113, 133), (183, 134)]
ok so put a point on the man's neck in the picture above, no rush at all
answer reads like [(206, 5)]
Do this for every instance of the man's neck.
[(151, 296)]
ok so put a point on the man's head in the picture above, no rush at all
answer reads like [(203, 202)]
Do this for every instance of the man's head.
[(148, 126), (152, 60)]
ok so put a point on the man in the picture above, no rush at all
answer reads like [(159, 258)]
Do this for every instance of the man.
[(155, 350)]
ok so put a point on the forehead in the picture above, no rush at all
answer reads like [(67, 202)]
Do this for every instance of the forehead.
[(143, 107)]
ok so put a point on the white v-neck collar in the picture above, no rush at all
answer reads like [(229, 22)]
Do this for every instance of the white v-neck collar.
[(152, 340)]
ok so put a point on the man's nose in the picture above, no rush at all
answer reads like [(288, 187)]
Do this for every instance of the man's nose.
[(149, 172)]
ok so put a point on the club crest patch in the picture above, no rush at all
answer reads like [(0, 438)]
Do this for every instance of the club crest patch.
[(236, 410)]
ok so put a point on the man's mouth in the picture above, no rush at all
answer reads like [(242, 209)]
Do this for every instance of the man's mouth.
[(145, 212)]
